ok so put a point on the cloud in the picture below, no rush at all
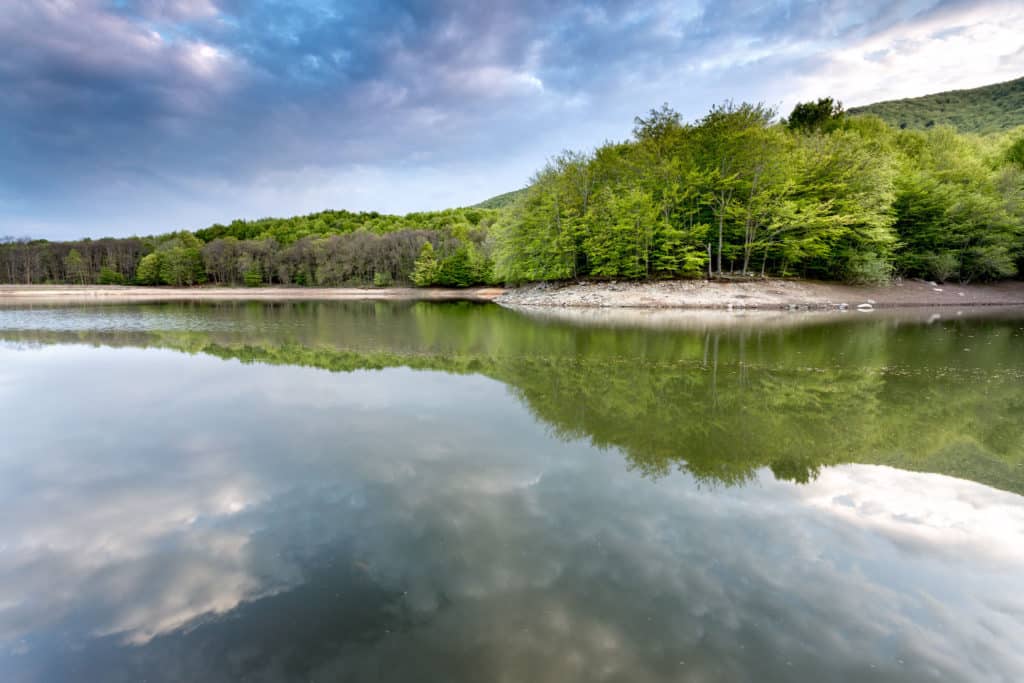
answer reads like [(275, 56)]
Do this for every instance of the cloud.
[(960, 46), (120, 111), (131, 551)]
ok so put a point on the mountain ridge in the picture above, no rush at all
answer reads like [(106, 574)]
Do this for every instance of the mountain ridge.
[(985, 109)]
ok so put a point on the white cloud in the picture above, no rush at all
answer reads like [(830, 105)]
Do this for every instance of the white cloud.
[(967, 48), (493, 81), (543, 554)]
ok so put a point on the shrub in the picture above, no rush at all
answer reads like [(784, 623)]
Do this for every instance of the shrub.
[(148, 272), (252, 277), (989, 263), (942, 266), (868, 268), (109, 276)]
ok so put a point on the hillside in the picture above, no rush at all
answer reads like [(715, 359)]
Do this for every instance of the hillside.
[(500, 201), (979, 110)]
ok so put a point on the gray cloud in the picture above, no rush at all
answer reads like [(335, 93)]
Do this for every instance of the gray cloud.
[(522, 554), (450, 548), (150, 115)]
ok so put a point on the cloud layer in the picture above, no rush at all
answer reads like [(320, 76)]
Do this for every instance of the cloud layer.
[(468, 544), (148, 115)]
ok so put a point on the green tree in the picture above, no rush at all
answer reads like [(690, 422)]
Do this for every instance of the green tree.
[(181, 260), (456, 270), (427, 270), (823, 115), (74, 265), (109, 276), (1015, 154), (724, 137), (148, 272)]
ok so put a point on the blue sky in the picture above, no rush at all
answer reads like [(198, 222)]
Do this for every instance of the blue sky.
[(141, 116)]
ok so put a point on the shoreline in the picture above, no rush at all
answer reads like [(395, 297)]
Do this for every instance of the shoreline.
[(48, 294), (738, 295), (757, 294)]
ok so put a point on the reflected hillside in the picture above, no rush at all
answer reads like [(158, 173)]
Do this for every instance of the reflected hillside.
[(712, 397)]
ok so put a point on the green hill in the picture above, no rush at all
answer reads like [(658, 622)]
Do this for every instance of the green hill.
[(978, 110), (500, 201)]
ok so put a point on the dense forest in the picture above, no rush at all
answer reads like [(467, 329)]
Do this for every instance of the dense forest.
[(739, 192), (820, 195), (326, 249), (979, 110)]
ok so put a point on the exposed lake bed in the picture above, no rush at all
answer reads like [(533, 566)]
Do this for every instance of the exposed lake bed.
[(753, 293), (347, 490), (738, 294)]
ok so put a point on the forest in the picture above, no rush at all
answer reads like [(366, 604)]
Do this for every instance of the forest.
[(991, 108), (739, 192), (326, 249)]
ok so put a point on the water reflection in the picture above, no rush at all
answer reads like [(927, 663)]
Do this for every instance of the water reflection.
[(176, 517), (718, 395)]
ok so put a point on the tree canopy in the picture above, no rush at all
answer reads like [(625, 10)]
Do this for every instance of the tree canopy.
[(736, 192)]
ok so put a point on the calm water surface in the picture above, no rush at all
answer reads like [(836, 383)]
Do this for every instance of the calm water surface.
[(453, 492)]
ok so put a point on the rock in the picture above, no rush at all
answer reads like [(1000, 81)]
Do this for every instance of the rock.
[(865, 307), (936, 289)]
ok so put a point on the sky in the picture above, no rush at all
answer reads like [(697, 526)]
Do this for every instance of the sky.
[(122, 117)]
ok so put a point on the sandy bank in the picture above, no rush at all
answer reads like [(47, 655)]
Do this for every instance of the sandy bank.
[(44, 294), (688, 294), (761, 294)]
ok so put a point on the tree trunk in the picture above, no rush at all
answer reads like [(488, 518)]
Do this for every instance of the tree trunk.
[(721, 229)]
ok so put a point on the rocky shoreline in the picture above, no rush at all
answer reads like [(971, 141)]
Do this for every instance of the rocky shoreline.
[(752, 294), (739, 295)]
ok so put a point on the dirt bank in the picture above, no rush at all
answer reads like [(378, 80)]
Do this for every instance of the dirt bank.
[(735, 295), (45, 294), (761, 294)]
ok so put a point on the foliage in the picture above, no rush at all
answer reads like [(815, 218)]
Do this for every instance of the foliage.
[(1015, 153), (500, 201), (427, 269), (868, 268), (823, 115), (74, 267), (987, 109), (109, 276), (720, 403), (286, 231), (248, 253), (821, 195), (181, 261), (148, 272), (957, 206)]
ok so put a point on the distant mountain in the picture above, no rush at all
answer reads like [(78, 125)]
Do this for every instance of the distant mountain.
[(500, 201), (986, 109)]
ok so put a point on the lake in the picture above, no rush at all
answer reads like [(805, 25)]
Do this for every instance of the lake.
[(366, 491)]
